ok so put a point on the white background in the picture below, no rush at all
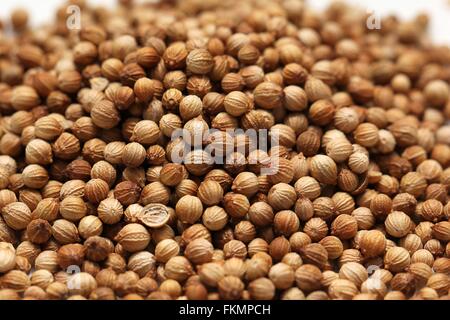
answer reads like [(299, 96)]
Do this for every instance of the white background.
[(43, 11)]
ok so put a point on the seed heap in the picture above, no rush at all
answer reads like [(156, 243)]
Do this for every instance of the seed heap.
[(357, 207)]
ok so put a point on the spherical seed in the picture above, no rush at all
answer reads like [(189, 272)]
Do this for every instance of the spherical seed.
[(321, 112), (373, 243), (342, 289), (346, 119), (268, 95), (333, 246), (286, 222), (396, 259), (431, 210), (262, 289), (76, 171), (237, 103), (17, 215), (166, 249), (324, 169), (199, 61), (413, 183), (398, 224), (105, 115), (133, 154), (133, 237), (110, 211), (210, 192), (344, 226), (72, 208), (315, 253), (354, 272), (230, 288), (178, 268), (8, 259), (215, 218), (308, 277), (38, 151), (366, 134), (146, 132), (281, 196), (35, 176), (154, 215), (339, 150), (236, 205), (199, 251), (316, 229), (189, 209), (190, 107), (358, 162)]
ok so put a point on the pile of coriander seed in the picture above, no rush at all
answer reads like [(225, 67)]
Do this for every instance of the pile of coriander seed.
[(94, 205)]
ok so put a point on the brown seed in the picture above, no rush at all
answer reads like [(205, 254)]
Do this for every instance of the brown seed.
[(344, 227), (16, 215), (199, 251), (39, 231), (133, 237), (96, 190), (321, 112), (366, 134), (133, 155), (324, 169), (441, 230), (372, 243), (24, 98), (342, 289), (230, 288), (110, 211), (396, 259), (178, 268), (72, 208), (210, 193), (339, 150), (199, 61), (431, 210), (308, 277), (439, 282), (282, 196), (147, 57), (47, 128), (286, 222), (398, 224), (315, 253), (268, 95), (189, 209), (333, 246), (155, 215), (235, 248), (127, 192), (308, 142), (316, 229), (236, 205), (413, 183), (316, 89), (354, 272), (262, 289), (71, 255), (190, 107)]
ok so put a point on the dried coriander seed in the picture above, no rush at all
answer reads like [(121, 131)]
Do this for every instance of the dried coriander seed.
[(100, 169)]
